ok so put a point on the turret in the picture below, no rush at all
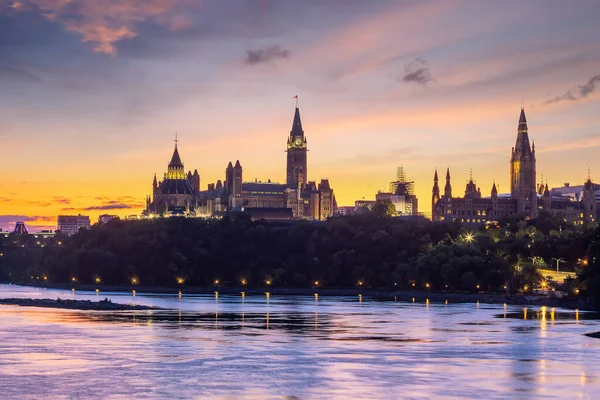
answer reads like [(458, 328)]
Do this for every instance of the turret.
[(296, 169), (448, 187), (237, 179), (435, 197), (589, 200), (522, 171), (175, 169), (435, 193), (196, 181), (546, 198), (154, 187), (229, 178)]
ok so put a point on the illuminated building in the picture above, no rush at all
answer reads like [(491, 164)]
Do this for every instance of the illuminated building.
[(104, 218), (526, 198), (175, 193), (70, 224), (20, 229), (401, 195), (179, 193)]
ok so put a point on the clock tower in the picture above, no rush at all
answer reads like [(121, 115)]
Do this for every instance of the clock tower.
[(296, 154)]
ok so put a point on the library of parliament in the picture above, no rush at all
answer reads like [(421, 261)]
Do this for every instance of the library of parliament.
[(179, 193), (526, 197)]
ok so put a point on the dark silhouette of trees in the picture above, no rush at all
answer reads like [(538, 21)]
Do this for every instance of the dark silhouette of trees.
[(370, 249)]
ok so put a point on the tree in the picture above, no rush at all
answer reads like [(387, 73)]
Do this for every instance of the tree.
[(383, 208)]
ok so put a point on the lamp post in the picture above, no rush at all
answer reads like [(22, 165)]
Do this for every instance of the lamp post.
[(558, 261)]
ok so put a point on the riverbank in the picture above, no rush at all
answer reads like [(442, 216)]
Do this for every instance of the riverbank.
[(103, 305), (378, 294)]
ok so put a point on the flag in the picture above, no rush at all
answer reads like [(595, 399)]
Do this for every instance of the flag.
[(296, 96)]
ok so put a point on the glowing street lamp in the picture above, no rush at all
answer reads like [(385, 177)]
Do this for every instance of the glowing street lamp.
[(180, 280), (98, 280), (469, 237), (316, 283), (268, 281), (134, 280), (73, 279), (216, 282), (558, 261), (244, 281), (359, 283), (427, 285)]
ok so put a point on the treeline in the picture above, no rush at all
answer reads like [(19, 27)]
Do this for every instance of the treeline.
[(369, 250)]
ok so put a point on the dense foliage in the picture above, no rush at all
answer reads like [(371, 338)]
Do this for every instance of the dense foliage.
[(368, 250)]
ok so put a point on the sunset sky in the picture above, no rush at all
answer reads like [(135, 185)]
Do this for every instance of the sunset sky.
[(92, 93)]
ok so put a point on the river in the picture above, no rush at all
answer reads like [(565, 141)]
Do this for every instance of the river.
[(266, 346)]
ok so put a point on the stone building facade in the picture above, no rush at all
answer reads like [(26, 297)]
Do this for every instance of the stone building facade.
[(526, 197), (179, 193)]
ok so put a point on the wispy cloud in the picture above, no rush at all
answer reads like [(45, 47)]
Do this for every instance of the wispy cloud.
[(107, 22), (113, 206), (581, 92), (266, 55), (13, 219), (19, 74), (417, 72), (61, 200)]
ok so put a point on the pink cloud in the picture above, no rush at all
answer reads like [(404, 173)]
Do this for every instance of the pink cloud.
[(107, 22)]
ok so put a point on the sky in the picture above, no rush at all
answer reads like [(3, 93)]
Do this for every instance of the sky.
[(92, 94)]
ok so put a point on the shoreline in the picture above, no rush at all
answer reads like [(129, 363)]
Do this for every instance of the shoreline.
[(377, 294), (102, 305)]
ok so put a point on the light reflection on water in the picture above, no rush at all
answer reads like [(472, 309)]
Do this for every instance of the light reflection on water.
[(271, 346)]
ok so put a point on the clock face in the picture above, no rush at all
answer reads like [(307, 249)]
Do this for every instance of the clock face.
[(298, 142)]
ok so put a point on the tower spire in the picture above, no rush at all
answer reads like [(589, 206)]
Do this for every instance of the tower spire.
[(176, 140), (297, 130)]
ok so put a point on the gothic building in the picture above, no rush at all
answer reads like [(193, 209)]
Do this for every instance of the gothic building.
[(176, 193), (298, 198), (526, 198)]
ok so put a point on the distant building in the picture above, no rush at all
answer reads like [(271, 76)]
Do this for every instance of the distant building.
[(574, 192), (346, 210), (179, 193), (70, 224), (526, 198), (401, 195), (20, 229), (364, 204), (104, 218)]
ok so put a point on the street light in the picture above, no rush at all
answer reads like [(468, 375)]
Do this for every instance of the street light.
[(558, 261)]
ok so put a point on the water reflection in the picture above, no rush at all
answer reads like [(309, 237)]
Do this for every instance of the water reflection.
[(269, 346)]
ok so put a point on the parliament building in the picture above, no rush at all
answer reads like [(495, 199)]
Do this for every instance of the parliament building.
[(526, 197), (179, 193)]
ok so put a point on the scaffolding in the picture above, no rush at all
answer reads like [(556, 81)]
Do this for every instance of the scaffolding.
[(401, 179)]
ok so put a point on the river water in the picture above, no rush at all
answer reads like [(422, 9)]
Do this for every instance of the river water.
[(266, 346)]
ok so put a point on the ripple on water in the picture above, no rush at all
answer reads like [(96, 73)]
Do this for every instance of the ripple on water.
[(292, 346)]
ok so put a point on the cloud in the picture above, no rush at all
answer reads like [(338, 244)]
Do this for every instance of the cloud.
[(581, 92), (113, 206), (61, 200), (13, 219), (266, 55), (417, 72), (22, 75), (107, 22)]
